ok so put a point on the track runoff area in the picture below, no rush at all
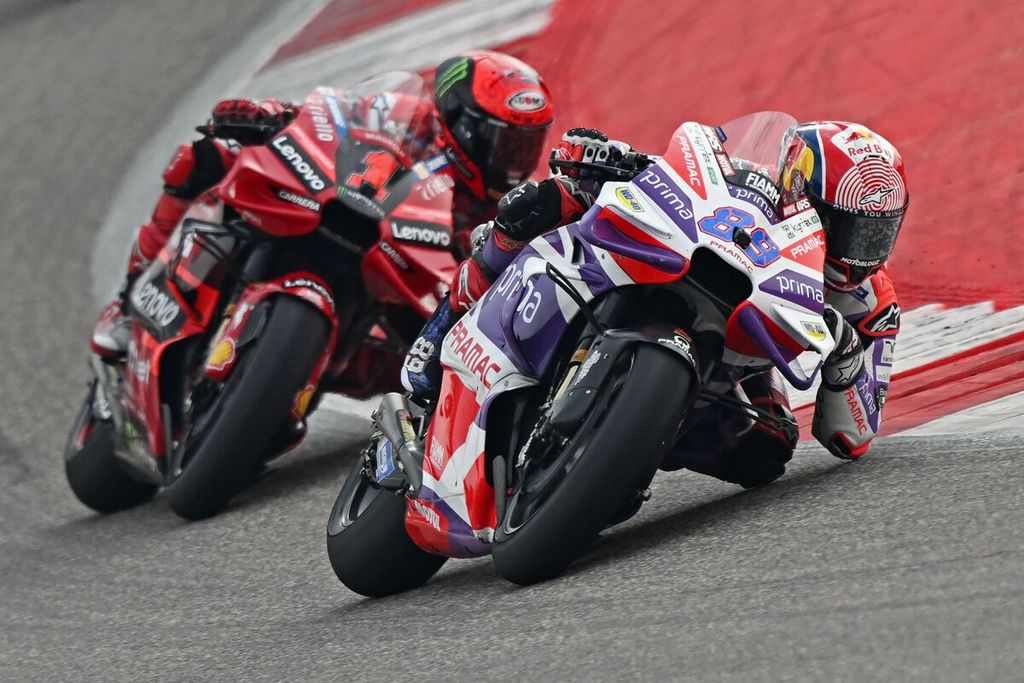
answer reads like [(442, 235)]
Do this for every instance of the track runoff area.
[(977, 347)]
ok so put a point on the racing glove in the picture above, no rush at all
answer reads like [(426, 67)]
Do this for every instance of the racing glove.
[(530, 209), (843, 366), (248, 121), (590, 146)]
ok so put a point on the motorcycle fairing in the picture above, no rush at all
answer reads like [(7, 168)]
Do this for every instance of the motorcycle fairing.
[(237, 330), (162, 317), (642, 232), (281, 187)]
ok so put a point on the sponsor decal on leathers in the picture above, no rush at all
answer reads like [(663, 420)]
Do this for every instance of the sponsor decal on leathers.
[(300, 164)]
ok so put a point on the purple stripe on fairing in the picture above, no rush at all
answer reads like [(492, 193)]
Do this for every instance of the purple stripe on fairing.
[(751, 323), (657, 183), (494, 314), (529, 336), (601, 232), (554, 238), (462, 542), (800, 289), (497, 259), (755, 198)]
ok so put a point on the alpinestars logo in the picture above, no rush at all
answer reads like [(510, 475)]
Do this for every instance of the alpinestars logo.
[(301, 166), (877, 195), (887, 320)]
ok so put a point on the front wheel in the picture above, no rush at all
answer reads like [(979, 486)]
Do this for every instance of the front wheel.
[(562, 503), (231, 439), (369, 549), (94, 473)]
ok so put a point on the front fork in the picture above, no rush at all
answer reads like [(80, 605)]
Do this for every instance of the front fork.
[(394, 458)]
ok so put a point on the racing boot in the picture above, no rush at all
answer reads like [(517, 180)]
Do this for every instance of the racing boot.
[(113, 330), (421, 372)]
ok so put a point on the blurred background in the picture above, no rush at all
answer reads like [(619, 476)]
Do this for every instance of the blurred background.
[(94, 97)]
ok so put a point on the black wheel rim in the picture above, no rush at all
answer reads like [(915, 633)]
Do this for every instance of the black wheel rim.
[(541, 479)]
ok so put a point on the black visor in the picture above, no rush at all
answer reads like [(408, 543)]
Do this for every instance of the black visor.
[(506, 154), (862, 240)]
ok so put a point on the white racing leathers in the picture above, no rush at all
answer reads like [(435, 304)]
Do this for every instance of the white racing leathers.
[(848, 415)]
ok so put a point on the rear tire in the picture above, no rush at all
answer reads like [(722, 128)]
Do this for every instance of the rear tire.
[(252, 407), (94, 473), (619, 448), (369, 549)]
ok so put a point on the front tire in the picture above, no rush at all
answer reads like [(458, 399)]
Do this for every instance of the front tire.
[(94, 473), (369, 549), (252, 407), (613, 455)]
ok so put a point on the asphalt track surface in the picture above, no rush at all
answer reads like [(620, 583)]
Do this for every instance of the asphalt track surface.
[(904, 566)]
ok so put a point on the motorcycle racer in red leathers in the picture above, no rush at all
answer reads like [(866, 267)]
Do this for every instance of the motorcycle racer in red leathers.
[(490, 114), (855, 180)]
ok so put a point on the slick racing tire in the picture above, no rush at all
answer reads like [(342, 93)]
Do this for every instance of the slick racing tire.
[(94, 473), (370, 551), (229, 442), (560, 505)]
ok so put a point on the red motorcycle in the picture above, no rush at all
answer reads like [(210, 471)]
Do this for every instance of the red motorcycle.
[(309, 268)]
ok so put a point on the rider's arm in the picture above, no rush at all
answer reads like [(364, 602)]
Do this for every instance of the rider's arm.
[(848, 413), (528, 210)]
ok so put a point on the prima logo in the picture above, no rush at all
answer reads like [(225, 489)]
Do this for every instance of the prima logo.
[(666, 194)]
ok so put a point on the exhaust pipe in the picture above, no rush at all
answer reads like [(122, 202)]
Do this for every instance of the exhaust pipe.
[(394, 419)]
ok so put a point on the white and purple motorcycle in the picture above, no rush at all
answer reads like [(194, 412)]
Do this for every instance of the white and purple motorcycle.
[(566, 383)]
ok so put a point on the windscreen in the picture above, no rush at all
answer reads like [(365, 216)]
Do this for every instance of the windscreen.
[(395, 104), (753, 141)]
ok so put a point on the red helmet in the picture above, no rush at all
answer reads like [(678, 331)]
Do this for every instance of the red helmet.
[(854, 178), (495, 112)]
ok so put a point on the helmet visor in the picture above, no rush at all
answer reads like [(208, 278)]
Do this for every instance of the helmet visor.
[(861, 240), (512, 152), (504, 153)]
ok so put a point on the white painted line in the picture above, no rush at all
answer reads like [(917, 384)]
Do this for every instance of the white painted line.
[(932, 332), (1002, 415), (140, 187), (413, 42)]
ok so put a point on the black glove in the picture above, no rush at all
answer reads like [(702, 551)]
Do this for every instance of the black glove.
[(843, 365), (530, 209)]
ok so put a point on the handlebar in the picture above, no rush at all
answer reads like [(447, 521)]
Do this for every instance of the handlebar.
[(626, 168)]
